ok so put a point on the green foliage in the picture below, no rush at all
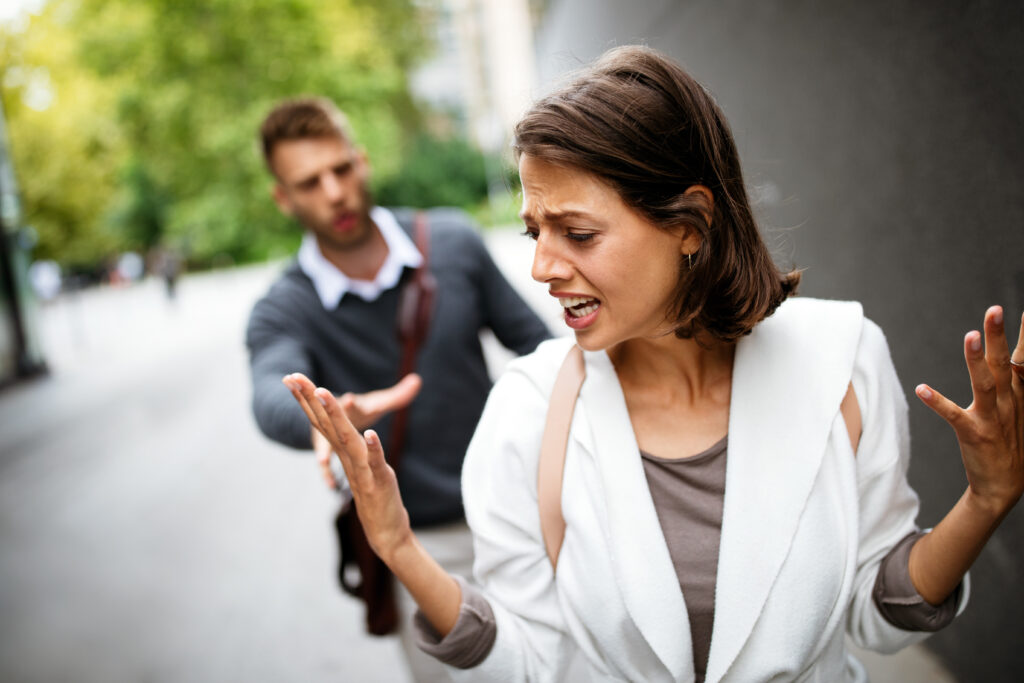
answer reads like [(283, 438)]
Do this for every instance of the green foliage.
[(436, 172), (500, 209), (65, 146), (151, 133)]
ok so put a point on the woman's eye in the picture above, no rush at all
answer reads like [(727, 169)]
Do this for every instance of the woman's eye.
[(580, 236), (532, 234)]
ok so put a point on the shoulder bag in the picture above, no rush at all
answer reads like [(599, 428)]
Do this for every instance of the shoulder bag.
[(376, 585)]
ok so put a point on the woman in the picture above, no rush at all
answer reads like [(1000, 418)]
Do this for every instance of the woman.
[(734, 489)]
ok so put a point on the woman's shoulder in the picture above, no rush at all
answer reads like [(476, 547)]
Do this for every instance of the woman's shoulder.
[(809, 345), (808, 312), (543, 363), (527, 381), (507, 438), (803, 326), (832, 321)]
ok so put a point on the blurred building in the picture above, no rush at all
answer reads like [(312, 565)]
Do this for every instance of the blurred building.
[(882, 144), (20, 353), (483, 73)]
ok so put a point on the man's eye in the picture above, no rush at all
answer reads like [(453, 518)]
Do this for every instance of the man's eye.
[(342, 170), (580, 236)]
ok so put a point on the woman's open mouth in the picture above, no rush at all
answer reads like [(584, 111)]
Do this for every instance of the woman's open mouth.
[(580, 311)]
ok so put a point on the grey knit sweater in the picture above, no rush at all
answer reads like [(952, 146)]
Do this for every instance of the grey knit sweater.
[(355, 348)]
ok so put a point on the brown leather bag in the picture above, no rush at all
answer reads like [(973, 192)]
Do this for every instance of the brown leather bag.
[(376, 585)]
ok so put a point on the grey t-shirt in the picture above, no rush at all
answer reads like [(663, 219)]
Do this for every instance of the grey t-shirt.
[(688, 494)]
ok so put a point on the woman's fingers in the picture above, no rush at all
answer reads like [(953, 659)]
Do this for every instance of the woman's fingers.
[(336, 425), (943, 407), (997, 355), (374, 451), (314, 403), (983, 383), (1018, 357), (352, 442), (300, 386), (991, 430)]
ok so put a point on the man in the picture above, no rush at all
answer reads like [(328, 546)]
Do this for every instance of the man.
[(332, 316)]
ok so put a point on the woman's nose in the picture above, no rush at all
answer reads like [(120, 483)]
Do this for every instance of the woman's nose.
[(548, 263)]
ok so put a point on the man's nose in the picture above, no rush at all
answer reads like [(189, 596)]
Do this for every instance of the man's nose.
[(333, 189), (548, 262)]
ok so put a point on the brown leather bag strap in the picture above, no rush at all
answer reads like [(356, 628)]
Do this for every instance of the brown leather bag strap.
[(415, 305), (552, 451)]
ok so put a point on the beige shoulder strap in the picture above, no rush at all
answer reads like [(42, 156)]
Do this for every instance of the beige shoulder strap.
[(552, 451)]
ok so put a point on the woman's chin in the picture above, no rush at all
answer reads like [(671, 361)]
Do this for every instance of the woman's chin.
[(588, 341)]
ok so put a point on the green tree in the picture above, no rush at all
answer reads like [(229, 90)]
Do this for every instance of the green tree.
[(435, 172), (66, 146), (158, 101)]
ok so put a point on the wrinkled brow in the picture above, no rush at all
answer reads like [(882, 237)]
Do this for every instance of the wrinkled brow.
[(555, 216)]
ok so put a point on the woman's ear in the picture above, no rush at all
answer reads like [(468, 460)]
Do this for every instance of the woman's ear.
[(690, 244), (704, 195), (692, 239)]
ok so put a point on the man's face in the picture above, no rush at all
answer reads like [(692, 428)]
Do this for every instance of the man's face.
[(321, 182)]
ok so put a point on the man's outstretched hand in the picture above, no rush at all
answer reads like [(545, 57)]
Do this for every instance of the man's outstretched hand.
[(363, 410)]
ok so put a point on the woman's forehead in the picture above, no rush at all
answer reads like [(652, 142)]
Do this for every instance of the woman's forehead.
[(556, 191)]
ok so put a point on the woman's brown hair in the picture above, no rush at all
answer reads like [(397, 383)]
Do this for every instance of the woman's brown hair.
[(644, 126)]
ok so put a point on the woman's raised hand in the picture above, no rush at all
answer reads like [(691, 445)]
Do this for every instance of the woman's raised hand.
[(373, 482), (991, 429)]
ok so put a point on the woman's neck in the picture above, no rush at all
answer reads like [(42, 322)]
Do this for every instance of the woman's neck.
[(686, 369)]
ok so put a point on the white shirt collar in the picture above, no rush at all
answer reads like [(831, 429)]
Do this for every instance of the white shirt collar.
[(331, 284)]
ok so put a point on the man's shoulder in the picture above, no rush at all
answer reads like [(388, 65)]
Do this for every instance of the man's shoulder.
[(455, 239), (291, 288), (441, 219)]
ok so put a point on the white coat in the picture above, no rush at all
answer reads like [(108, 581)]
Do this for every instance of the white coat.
[(805, 523)]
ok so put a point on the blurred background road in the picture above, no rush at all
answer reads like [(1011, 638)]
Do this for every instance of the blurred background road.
[(150, 533)]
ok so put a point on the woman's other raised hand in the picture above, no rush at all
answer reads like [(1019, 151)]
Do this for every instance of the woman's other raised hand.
[(991, 429)]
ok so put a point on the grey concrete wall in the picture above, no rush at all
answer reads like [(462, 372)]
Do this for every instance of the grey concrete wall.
[(882, 139)]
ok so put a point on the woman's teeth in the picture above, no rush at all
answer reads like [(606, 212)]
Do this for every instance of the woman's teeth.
[(579, 306)]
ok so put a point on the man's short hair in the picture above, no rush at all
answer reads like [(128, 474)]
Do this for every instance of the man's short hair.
[(299, 119)]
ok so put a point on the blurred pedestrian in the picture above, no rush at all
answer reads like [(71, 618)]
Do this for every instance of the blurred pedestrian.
[(168, 265), (46, 279), (334, 316), (734, 501), (130, 267)]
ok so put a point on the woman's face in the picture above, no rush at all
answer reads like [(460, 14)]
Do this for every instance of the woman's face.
[(611, 269)]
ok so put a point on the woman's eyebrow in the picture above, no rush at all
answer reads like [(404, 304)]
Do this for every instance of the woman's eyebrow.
[(556, 216)]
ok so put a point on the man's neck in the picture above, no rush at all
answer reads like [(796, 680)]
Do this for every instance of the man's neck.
[(359, 263)]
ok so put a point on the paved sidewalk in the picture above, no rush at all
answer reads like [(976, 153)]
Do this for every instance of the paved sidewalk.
[(149, 532)]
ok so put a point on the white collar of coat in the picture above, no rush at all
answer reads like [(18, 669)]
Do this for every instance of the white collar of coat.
[(331, 284), (789, 378)]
